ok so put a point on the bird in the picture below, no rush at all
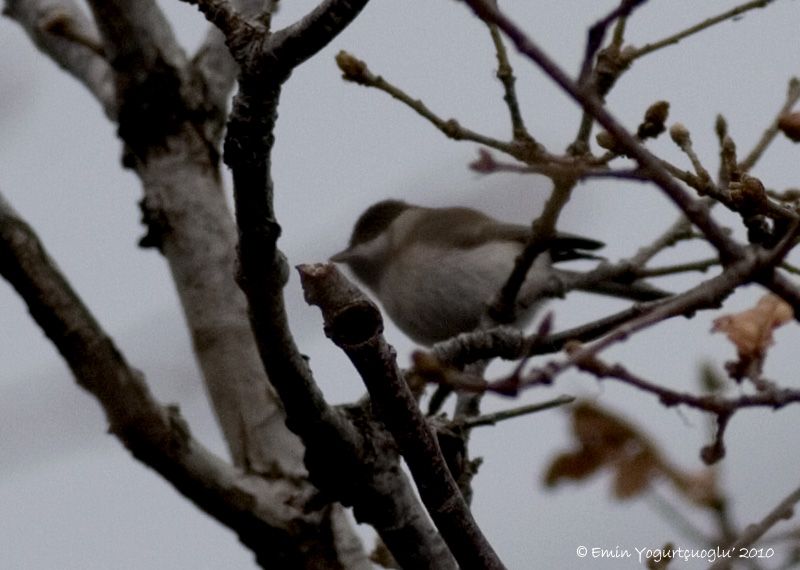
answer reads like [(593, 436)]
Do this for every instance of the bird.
[(435, 270)]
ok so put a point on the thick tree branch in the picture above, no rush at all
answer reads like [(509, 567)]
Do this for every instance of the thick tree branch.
[(154, 93), (224, 15), (354, 323), (155, 434), (333, 445), (248, 147), (299, 41), (136, 36), (215, 64), (60, 29)]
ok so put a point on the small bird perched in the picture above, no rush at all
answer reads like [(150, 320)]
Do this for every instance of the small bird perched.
[(435, 269)]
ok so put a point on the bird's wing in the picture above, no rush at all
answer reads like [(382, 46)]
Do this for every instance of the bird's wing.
[(475, 228), (562, 247)]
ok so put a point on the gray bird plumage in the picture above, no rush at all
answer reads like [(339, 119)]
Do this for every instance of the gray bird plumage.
[(434, 269)]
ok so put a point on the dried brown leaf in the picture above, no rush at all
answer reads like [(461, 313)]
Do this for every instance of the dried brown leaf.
[(573, 466), (751, 330), (633, 474), (606, 441)]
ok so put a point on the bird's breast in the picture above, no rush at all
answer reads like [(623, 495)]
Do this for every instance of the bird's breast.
[(433, 294)]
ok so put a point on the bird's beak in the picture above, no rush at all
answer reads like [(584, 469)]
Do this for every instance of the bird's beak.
[(343, 256)]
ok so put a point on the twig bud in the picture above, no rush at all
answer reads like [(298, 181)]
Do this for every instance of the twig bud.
[(680, 135), (353, 69), (654, 119), (790, 126)]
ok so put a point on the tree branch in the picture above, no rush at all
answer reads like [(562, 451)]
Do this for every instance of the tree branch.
[(356, 71), (333, 445), (792, 96), (154, 434), (505, 73), (214, 62), (296, 43), (696, 211), (597, 34), (709, 293), (137, 38), (783, 511), (354, 324), (60, 29), (705, 24)]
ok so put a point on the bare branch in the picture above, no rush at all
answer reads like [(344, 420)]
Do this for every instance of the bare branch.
[(137, 38), (60, 29), (675, 38), (296, 43), (155, 434), (492, 419), (709, 293), (354, 323), (214, 62), (702, 266), (355, 70), (223, 14), (783, 511), (597, 34), (487, 164), (775, 398), (505, 74), (333, 444), (792, 96), (696, 212), (502, 307)]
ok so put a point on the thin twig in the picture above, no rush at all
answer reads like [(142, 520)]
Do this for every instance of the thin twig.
[(709, 293), (680, 230), (511, 344), (792, 96), (713, 403), (783, 511), (702, 266), (502, 308), (492, 419), (696, 211), (576, 168), (681, 137), (675, 38), (597, 33), (357, 71), (606, 70), (505, 73)]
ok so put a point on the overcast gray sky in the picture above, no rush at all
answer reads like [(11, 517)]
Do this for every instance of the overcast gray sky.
[(72, 498)]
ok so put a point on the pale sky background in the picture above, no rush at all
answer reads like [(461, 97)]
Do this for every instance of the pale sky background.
[(72, 498)]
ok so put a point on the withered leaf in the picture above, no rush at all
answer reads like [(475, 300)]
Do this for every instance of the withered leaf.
[(751, 331), (606, 441)]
